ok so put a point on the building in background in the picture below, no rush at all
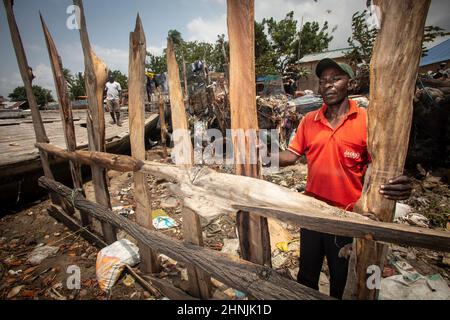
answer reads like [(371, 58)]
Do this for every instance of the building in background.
[(310, 61), (435, 56)]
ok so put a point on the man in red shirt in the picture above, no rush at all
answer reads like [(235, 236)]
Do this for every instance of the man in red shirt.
[(334, 140)]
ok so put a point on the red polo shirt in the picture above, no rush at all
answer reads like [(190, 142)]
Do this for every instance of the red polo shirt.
[(337, 158)]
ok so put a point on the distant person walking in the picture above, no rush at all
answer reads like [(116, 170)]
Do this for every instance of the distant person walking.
[(113, 97)]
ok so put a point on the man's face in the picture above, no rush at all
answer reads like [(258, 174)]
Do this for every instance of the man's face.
[(333, 86), (111, 80)]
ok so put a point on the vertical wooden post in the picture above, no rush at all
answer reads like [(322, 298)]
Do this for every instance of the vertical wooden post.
[(136, 112), (253, 230), (186, 90), (65, 111), (162, 122), (199, 282), (394, 67), (96, 74), (27, 78)]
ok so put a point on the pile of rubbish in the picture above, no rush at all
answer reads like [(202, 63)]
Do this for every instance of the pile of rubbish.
[(430, 132)]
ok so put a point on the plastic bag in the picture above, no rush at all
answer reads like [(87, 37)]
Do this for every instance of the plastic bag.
[(111, 261)]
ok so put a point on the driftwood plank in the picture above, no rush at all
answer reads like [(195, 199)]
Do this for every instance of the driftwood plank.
[(260, 282), (207, 191), (65, 111), (253, 230), (96, 74), (199, 283), (364, 229), (393, 72), (136, 110)]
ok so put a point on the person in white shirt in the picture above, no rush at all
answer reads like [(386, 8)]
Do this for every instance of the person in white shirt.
[(113, 95)]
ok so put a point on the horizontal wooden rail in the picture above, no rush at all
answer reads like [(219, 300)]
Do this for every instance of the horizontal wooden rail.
[(208, 192), (257, 281), (370, 230)]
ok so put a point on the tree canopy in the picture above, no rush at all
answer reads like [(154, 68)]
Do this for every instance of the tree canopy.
[(42, 95)]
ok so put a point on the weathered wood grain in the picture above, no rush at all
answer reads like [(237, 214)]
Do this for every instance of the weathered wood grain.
[(260, 282), (210, 194), (393, 75), (253, 230), (199, 283), (136, 110), (65, 111), (96, 74)]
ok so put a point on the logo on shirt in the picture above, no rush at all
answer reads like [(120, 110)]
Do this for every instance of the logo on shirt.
[(351, 154)]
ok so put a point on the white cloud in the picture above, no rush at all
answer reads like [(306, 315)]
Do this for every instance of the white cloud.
[(157, 51), (115, 59), (201, 29), (320, 11), (43, 77), (9, 82)]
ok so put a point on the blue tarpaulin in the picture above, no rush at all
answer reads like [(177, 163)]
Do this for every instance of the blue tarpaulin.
[(438, 53)]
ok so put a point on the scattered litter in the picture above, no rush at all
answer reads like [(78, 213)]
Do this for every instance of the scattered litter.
[(124, 211), (287, 246), (170, 203), (212, 229), (128, 280), (14, 273), (401, 210), (231, 246), (164, 222), (158, 213), (14, 292), (415, 219), (418, 287), (111, 261), (41, 253), (283, 246)]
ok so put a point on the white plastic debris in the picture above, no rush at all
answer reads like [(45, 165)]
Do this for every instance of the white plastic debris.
[(164, 222), (111, 261), (41, 253), (400, 287)]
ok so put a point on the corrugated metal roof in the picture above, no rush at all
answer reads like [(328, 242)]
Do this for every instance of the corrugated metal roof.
[(438, 53), (332, 54)]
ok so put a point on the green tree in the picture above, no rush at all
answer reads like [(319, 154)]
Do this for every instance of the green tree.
[(157, 64), (285, 40), (431, 34), (362, 41), (120, 78), (282, 37), (265, 57), (312, 39), (77, 86), (42, 95)]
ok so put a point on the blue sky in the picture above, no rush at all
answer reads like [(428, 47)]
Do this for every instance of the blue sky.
[(109, 23)]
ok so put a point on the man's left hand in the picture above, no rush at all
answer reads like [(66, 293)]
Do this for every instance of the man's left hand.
[(399, 188)]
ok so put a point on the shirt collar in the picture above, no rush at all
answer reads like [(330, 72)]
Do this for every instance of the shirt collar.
[(320, 114)]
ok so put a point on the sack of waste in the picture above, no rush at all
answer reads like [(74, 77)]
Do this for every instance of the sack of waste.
[(111, 261)]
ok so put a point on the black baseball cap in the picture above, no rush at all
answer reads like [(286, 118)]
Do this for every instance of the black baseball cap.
[(330, 63)]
